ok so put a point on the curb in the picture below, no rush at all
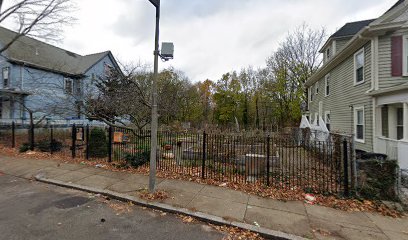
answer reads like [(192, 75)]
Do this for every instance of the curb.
[(264, 232)]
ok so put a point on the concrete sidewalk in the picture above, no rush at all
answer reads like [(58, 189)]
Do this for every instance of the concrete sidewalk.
[(292, 217)]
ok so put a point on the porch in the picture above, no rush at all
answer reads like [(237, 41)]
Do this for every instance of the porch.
[(391, 128), (11, 105)]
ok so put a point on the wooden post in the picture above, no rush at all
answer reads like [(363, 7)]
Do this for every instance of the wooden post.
[(73, 146), (110, 144), (87, 141), (346, 173), (13, 135)]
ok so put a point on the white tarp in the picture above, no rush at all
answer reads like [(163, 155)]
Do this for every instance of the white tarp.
[(319, 131)]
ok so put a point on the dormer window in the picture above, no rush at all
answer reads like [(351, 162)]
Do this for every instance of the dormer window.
[(328, 54), (6, 77)]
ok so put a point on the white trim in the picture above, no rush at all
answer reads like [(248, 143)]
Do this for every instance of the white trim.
[(334, 46), (355, 124), (316, 119), (374, 101), (374, 64), (404, 55), (405, 121), (325, 85), (311, 92), (361, 51)]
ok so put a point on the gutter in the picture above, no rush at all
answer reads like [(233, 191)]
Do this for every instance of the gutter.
[(365, 34), (23, 63)]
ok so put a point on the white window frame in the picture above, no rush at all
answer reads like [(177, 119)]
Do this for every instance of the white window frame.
[(71, 83), (356, 109), (325, 118), (327, 77), (405, 55), (317, 119), (317, 87), (361, 51)]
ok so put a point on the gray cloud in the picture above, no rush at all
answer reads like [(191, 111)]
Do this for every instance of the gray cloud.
[(215, 36)]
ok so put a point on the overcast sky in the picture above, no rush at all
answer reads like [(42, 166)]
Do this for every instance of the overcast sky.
[(211, 37)]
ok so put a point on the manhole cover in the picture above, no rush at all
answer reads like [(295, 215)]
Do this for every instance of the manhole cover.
[(70, 202)]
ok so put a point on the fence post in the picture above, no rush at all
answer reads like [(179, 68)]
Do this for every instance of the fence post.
[(110, 144), (51, 137), (345, 164), (204, 155), (31, 136), (87, 141), (73, 140), (268, 156), (13, 135)]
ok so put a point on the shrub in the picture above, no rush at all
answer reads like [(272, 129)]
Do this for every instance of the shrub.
[(98, 145), (138, 159), (24, 147), (47, 146)]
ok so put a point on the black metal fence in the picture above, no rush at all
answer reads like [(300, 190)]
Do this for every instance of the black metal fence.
[(299, 159)]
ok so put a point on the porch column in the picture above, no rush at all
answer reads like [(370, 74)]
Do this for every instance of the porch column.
[(405, 120), (392, 122)]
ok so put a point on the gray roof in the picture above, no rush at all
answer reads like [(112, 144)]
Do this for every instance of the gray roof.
[(350, 29), (396, 5), (32, 52)]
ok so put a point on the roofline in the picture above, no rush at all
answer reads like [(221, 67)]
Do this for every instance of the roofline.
[(353, 45), (365, 34), (108, 53), (28, 64), (331, 38)]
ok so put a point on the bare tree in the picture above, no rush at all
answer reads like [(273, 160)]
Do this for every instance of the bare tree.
[(43, 19)]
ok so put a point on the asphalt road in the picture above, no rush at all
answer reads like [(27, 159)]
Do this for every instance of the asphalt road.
[(33, 210)]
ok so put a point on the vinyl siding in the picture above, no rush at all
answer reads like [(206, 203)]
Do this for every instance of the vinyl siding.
[(385, 80), (340, 43), (344, 94)]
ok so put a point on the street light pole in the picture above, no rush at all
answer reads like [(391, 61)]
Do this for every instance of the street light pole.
[(154, 121)]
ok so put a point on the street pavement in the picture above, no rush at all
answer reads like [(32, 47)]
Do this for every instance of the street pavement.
[(31, 210), (292, 217)]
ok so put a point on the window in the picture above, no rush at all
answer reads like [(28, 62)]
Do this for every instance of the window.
[(400, 123), (6, 77), (317, 119), (359, 124), (68, 85), (108, 69), (384, 121), (328, 54), (327, 85), (317, 87), (359, 67), (327, 119), (78, 89)]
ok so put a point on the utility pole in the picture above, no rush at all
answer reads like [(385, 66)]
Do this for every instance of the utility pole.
[(154, 122)]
